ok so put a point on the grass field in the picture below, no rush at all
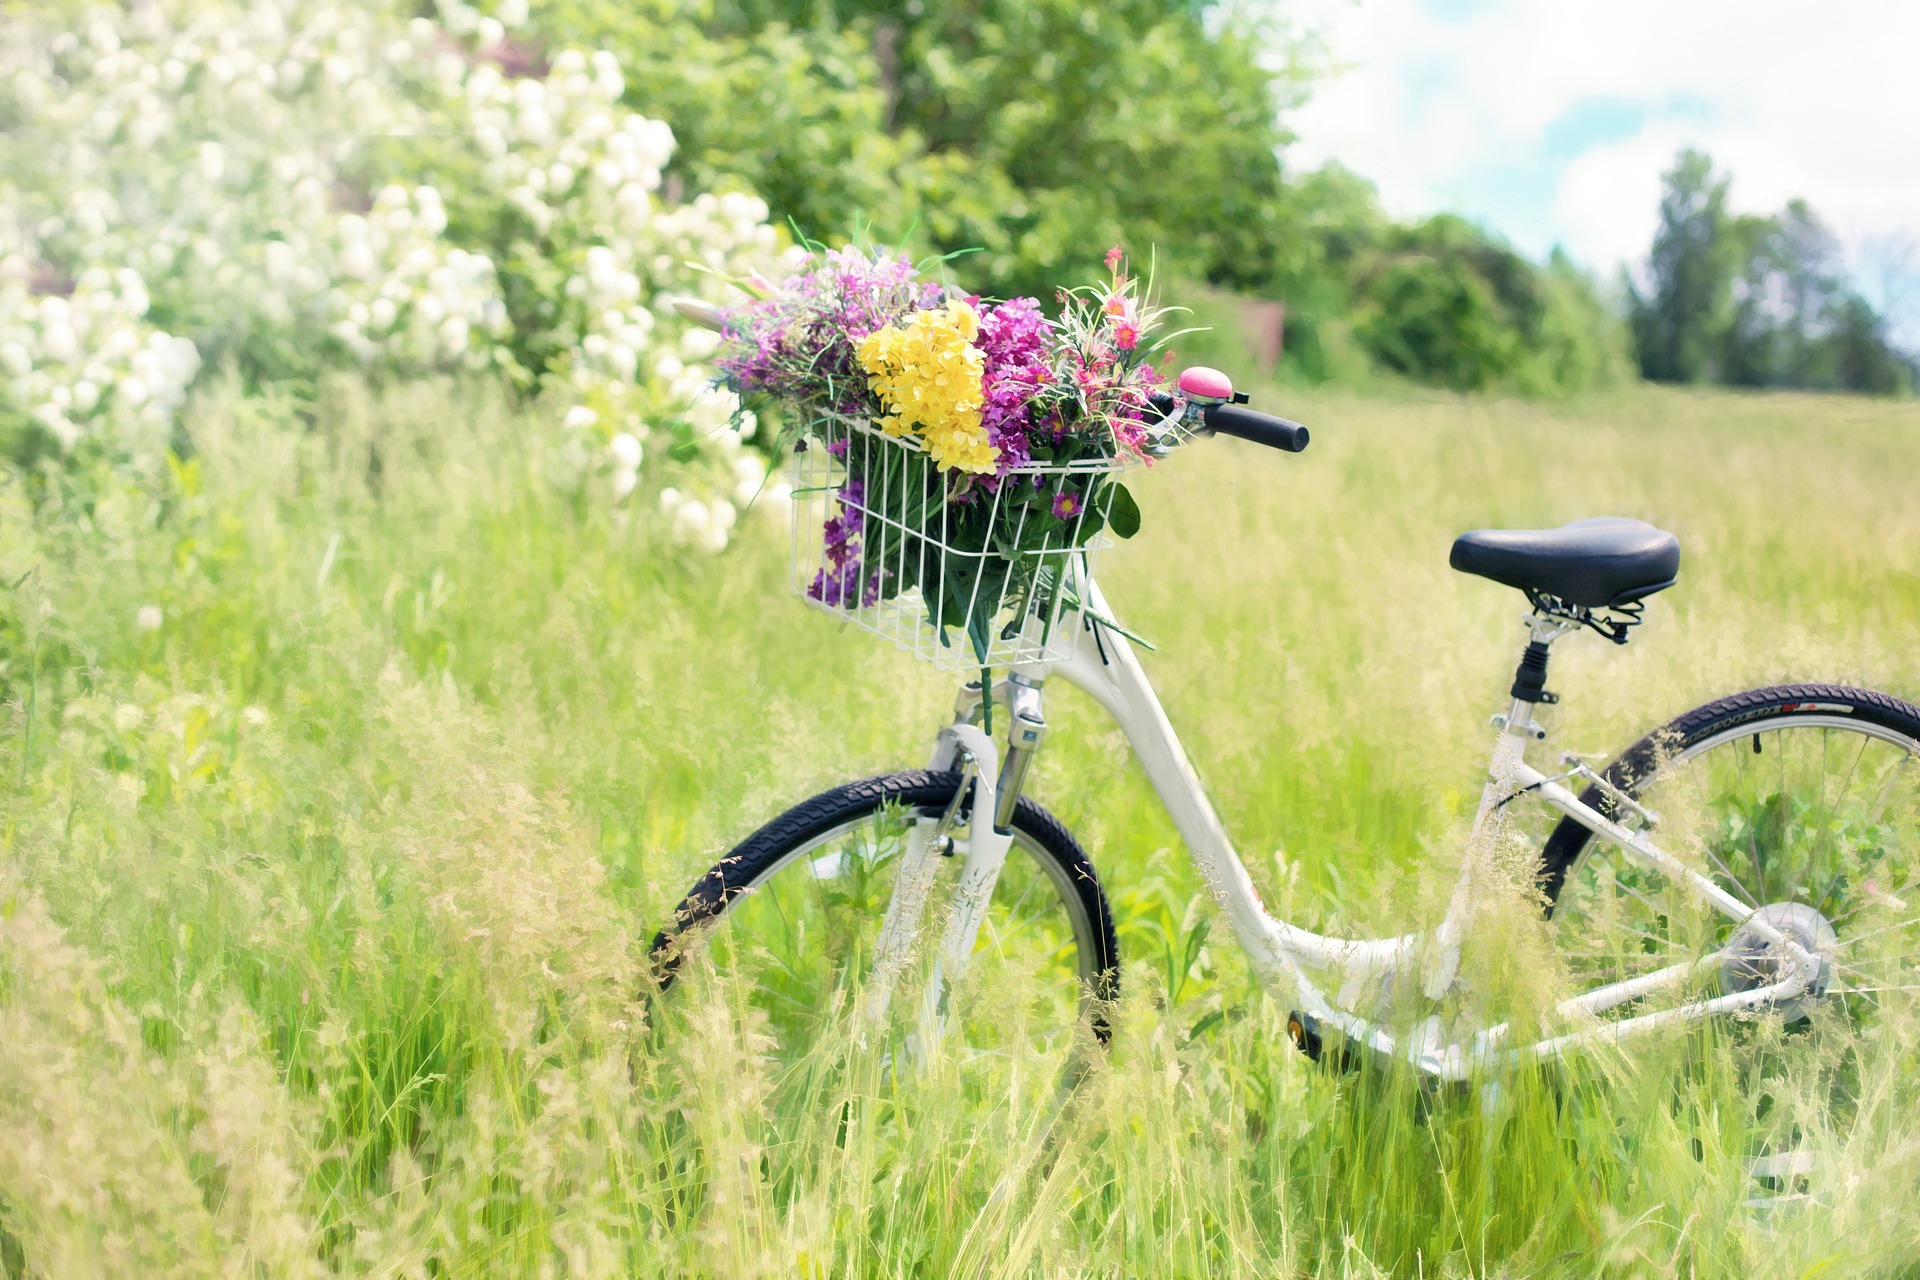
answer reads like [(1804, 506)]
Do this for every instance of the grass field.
[(324, 902)]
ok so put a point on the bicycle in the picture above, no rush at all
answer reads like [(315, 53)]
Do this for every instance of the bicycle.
[(1797, 808)]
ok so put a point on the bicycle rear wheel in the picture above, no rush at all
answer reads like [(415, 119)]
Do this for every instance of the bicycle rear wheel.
[(1805, 794), (791, 918), (1802, 801)]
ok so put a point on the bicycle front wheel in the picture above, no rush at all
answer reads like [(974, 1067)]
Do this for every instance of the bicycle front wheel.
[(791, 918)]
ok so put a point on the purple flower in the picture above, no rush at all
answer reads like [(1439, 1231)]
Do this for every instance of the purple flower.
[(840, 582), (803, 336), (1067, 505), (1014, 339)]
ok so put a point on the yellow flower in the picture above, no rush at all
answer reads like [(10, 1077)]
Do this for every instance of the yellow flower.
[(927, 374)]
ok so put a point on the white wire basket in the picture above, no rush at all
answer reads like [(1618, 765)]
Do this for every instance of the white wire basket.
[(996, 579)]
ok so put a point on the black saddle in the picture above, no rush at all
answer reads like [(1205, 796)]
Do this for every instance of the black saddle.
[(1607, 561)]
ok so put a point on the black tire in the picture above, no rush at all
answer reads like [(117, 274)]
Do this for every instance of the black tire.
[(1802, 802), (1761, 708), (770, 848)]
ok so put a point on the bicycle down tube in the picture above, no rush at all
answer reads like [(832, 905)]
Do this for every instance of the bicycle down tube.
[(1104, 665)]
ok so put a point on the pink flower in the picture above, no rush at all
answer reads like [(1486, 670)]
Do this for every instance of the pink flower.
[(1113, 258), (1066, 505), (1125, 336)]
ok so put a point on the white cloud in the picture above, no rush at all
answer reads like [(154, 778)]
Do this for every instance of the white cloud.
[(1606, 205), (1792, 98)]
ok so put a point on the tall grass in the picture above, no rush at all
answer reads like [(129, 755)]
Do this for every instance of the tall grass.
[(324, 905)]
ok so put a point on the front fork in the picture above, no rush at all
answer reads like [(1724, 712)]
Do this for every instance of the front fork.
[(995, 781)]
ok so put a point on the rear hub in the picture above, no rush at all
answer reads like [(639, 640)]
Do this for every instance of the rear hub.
[(1751, 962)]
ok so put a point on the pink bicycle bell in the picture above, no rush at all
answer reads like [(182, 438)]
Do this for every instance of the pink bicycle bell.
[(1206, 386)]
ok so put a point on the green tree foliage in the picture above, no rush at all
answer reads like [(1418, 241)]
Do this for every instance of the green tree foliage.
[(1675, 326), (1755, 301), (1029, 135), (1444, 302), (1038, 132)]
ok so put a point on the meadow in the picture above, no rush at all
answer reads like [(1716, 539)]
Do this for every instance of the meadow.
[(351, 767)]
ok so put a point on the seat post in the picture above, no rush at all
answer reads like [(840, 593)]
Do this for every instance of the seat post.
[(1530, 678)]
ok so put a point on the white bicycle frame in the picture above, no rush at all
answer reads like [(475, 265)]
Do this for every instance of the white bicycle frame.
[(1284, 955), (1103, 664)]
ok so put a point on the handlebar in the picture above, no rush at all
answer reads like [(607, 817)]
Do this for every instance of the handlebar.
[(1228, 419), (1250, 424)]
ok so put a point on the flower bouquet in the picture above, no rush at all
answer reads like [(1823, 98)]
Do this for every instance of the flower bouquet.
[(955, 460)]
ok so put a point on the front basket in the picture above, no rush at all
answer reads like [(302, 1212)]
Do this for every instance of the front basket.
[(962, 571)]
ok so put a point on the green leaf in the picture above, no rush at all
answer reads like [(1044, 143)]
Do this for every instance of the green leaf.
[(1123, 514)]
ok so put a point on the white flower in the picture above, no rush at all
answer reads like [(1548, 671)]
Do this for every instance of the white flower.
[(265, 104), (453, 335), (720, 521), (579, 418), (712, 412), (626, 451), (749, 474), (149, 618), (690, 520)]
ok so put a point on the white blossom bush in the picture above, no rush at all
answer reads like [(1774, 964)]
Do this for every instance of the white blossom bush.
[(296, 185), (582, 174), (400, 292), (88, 363)]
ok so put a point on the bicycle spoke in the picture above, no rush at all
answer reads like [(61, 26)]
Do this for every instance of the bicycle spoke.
[(1846, 786), (1817, 825), (806, 932), (1752, 898), (1856, 939)]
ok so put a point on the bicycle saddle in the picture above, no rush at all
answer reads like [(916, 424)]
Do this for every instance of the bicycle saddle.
[(1609, 560)]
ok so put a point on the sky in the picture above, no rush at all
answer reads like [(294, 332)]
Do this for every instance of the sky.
[(1551, 121)]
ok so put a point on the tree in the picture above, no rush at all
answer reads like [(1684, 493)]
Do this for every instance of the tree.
[(1031, 134), (1864, 357), (1756, 301), (1445, 304), (1675, 324)]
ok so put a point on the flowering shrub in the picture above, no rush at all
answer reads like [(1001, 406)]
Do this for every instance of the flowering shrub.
[(88, 361), (976, 445), (297, 184), (398, 292)]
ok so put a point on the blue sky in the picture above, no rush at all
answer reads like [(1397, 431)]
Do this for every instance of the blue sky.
[(1552, 121)]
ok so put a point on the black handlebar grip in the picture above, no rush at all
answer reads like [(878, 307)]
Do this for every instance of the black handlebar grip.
[(1261, 428)]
